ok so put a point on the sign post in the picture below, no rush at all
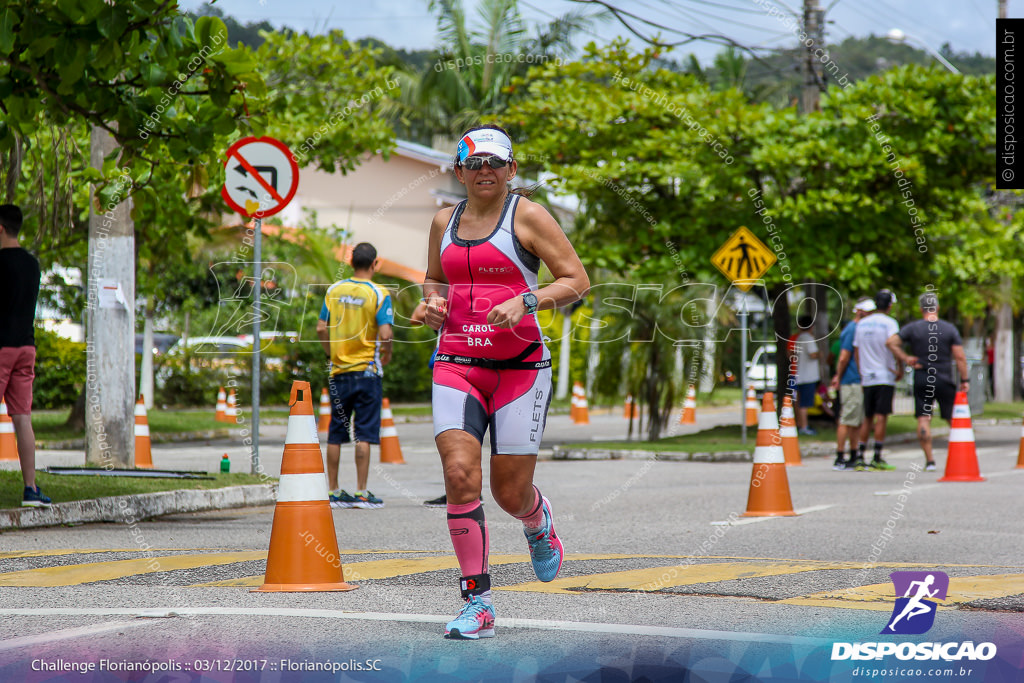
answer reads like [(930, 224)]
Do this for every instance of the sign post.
[(743, 259), (260, 178)]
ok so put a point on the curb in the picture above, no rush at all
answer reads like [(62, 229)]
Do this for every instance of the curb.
[(133, 508), (165, 437), (807, 449)]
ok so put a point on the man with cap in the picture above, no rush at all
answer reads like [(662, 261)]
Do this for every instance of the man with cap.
[(935, 344), (879, 372), (851, 394)]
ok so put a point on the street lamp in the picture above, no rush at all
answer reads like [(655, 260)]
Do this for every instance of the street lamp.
[(897, 36)]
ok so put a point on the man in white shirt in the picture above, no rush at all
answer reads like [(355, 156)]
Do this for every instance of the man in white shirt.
[(879, 372)]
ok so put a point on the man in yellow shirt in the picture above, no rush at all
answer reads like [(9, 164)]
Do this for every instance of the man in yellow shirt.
[(355, 331)]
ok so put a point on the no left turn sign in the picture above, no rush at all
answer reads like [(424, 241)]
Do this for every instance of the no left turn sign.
[(260, 177)]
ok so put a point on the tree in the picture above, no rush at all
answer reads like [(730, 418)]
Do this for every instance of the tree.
[(667, 169)]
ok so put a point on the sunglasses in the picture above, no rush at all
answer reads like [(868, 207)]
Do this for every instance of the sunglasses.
[(476, 163)]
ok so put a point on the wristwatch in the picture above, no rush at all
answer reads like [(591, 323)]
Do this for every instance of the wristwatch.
[(530, 301)]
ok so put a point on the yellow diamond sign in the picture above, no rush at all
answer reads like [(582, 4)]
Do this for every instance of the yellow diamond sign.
[(743, 257)]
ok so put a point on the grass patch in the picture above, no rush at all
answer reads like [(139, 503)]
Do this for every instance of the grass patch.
[(64, 488), (1003, 411)]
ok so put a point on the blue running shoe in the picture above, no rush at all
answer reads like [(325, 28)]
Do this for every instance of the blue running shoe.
[(341, 500), (545, 548), (476, 620), (34, 498)]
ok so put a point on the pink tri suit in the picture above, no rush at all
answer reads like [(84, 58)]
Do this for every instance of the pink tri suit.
[(486, 376)]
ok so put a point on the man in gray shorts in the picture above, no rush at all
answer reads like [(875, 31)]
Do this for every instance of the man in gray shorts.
[(934, 345), (851, 395)]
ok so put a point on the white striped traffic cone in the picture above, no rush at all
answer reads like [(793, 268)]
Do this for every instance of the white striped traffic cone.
[(231, 412), (325, 412), (752, 407), (390, 449), (769, 485), (689, 416), (8, 441), (962, 459), (222, 406), (787, 432), (581, 411), (303, 543), (143, 446)]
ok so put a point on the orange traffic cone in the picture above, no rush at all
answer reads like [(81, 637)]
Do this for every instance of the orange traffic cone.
[(962, 459), (580, 410), (303, 544), (390, 449), (769, 485), (630, 409), (231, 413), (143, 449), (325, 412), (8, 442), (689, 416), (751, 405), (1020, 453), (787, 431), (222, 406)]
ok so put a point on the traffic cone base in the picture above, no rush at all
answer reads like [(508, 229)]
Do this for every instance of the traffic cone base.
[(769, 484), (962, 459), (303, 553)]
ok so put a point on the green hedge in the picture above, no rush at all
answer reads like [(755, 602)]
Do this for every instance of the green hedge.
[(60, 371)]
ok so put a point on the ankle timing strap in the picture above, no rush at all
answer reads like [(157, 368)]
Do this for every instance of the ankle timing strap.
[(474, 585)]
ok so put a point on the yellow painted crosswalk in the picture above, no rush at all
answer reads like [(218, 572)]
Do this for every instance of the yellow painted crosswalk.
[(716, 573)]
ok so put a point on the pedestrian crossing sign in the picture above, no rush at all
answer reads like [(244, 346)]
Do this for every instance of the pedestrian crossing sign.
[(743, 258)]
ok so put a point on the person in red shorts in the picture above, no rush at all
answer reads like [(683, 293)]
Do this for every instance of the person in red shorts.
[(492, 370), (19, 278)]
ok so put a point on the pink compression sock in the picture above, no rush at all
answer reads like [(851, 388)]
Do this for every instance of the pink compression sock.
[(535, 518), (468, 530)]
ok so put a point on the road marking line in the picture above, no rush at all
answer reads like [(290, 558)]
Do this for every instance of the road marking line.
[(540, 624), (880, 596), (657, 578), (75, 574), (68, 633), (755, 520), (386, 569), (84, 551)]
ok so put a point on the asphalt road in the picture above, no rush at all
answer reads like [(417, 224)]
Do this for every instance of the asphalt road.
[(654, 585)]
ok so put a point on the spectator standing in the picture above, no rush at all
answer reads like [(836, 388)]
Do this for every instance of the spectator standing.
[(20, 282), (807, 373), (934, 344), (879, 373), (355, 329), (851, 394)]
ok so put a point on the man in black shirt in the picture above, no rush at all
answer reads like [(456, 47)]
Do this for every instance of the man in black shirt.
[(19, 280), (935, 344)]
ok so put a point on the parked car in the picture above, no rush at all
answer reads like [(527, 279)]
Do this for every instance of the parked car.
[(162, 342), (761, 370), (224, 353)]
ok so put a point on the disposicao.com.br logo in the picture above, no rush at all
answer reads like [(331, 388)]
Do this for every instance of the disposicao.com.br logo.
[(914, 614)]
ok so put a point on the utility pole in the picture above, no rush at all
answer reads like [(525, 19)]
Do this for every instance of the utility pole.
[(1004, 367), (814, 80)]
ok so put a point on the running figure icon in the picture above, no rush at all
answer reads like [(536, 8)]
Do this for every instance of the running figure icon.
[(916, 589)]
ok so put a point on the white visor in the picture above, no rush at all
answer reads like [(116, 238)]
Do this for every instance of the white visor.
[(485, 141)]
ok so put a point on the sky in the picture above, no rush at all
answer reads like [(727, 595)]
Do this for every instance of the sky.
[(968, 25)]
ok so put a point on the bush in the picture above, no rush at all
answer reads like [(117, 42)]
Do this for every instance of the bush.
[(60, 371)]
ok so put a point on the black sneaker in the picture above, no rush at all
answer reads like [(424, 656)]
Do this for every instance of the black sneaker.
[(858, 465), (930, 467), (441, 502), (34, 498), (840, 464)]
